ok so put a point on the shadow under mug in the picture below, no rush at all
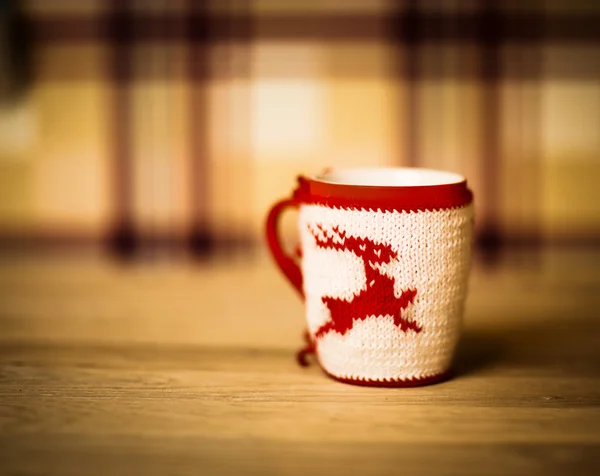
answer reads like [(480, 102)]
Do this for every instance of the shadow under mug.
[(383, 269)]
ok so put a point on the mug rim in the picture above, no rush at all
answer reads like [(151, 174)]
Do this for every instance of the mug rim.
[(414, 197), (387, 177)]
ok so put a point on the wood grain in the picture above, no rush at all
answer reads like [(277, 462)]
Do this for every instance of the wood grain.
[(162, 368)]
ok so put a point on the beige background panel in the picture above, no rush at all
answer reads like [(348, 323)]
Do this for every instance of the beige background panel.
[(70, 160), (16, 196)]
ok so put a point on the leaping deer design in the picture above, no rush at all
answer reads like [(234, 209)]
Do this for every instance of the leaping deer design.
[(377, 298)]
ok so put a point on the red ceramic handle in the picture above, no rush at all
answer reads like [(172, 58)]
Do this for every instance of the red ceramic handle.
[(287, 264)]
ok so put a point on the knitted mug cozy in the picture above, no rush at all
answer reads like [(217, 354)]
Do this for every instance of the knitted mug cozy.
[(383, 272)]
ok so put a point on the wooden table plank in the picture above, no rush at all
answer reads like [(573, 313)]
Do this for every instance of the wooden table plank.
[(157, 369), (158, 456)]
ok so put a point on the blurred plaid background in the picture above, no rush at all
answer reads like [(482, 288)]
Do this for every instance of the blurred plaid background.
[(153, 122)]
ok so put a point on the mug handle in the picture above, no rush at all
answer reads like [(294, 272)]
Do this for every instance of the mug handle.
[(286, 263)]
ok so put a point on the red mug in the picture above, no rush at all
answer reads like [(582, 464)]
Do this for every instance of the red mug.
[(383, 269)]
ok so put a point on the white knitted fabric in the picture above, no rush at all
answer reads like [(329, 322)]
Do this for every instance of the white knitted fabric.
[(433, 258)]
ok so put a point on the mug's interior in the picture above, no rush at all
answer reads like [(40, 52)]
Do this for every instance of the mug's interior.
[(390, 177)]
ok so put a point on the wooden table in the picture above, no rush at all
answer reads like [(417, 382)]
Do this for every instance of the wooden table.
[(175, 367)]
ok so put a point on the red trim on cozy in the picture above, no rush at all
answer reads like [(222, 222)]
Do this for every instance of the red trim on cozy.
[(401, 198), (415, 382)]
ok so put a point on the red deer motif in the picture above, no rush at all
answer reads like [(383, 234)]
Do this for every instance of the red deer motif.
[(377, 298)]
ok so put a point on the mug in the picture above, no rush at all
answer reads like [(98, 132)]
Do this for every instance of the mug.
[(382, 267)]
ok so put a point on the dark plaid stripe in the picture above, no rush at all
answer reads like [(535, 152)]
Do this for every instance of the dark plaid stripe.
[(407, 28), (120, 70), (403, 25)]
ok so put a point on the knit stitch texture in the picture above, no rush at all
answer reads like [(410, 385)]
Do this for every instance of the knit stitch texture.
[(385, 290)]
